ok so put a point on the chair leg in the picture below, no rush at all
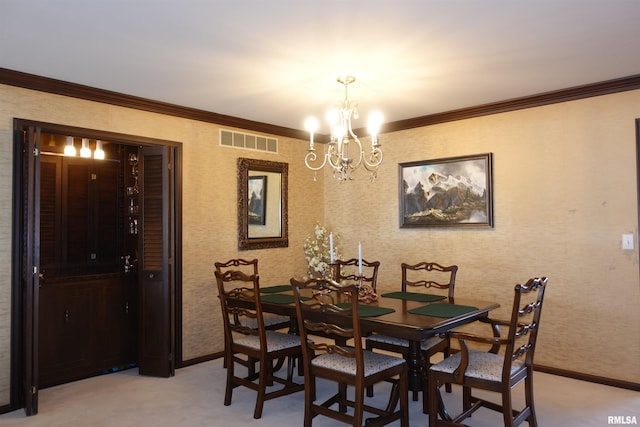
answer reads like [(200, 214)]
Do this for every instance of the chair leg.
[(507, 408), (358, 410), (230, 374), (466, 398), (290, 365), (342, 390), (528, 389), (403, 389), (433, 397), (263, 378), (309, 398)]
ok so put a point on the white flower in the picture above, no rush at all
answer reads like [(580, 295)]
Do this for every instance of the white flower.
[(316, 251)]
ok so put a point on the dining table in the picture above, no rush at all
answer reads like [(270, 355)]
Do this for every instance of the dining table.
[(409, 315)]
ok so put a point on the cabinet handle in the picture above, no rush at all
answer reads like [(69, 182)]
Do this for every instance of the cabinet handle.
[(66, 315), (126, 307)]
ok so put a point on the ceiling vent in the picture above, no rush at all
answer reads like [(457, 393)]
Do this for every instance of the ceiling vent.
[(247, 141)]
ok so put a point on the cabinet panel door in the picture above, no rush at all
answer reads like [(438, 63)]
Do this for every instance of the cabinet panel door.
[(67, 341), (117, 325)]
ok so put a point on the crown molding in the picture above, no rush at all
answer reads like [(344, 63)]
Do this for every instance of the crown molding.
[(60, 87), (74, 90), (570, 94)]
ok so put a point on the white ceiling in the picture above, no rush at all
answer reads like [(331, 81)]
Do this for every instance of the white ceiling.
[(276, 61)]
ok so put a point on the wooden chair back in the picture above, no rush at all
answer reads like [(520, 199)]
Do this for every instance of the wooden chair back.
[(322, 317), (428, 275), (249, 267), (346, 271), (525, 320), (236, 286)]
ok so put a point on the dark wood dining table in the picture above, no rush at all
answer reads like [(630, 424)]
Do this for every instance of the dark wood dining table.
[(400, 323)]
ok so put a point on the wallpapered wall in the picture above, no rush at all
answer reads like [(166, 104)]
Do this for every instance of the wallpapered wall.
[(564, 191), (564, 184)]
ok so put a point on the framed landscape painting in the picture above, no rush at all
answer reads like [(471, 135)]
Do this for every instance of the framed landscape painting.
[(450, 192)]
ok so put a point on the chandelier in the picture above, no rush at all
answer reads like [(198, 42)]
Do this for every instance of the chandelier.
[(345, 153)]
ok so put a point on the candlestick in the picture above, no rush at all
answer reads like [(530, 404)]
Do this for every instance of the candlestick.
[(331, 247), (359, 258)]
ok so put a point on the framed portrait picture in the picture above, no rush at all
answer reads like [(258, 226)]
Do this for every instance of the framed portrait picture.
[(257, 199), (450, 192)]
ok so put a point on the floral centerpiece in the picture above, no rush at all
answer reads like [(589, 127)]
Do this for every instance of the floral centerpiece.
[(317, 251)]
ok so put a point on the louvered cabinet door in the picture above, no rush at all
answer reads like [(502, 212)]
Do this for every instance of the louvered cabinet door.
[(155, 301)]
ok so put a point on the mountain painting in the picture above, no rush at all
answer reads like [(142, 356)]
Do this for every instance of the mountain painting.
[(452, 192)]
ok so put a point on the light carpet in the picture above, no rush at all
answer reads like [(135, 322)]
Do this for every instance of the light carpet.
[(194, 396)]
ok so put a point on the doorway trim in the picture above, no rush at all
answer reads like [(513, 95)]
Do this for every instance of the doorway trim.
[(17, 301)]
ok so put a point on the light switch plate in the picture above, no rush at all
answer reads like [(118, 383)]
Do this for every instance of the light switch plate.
[(627, 241)]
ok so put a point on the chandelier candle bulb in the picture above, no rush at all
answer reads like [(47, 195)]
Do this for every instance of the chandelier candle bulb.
[(311, 125), (360, 258)]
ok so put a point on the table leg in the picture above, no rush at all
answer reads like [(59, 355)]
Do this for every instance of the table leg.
[(415, 364)]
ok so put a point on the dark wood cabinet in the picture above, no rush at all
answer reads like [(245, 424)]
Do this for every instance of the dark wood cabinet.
[(88, 297), (66, 342), (87, 327)]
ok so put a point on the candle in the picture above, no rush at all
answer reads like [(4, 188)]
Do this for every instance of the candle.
[(359, 258), (331, 247)]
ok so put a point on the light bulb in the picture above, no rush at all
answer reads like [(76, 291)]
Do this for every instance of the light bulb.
[(85, 151), (311, 124), (69, 149), (99, 153), (375, 121)]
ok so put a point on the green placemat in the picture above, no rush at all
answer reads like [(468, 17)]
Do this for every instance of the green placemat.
[(368, 310), (443, 310), (413, 296), (280, 298), (274, 289), (277, 298)]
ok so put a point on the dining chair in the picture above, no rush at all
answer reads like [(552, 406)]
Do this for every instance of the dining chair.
[(271, 320), (250, 267), (350, 366), (347, 271), (241, 309), (495, 371), (420, 277)]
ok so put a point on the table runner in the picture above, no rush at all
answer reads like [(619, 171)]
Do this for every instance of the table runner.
[(443, 310), (368, 310), (413, 296)]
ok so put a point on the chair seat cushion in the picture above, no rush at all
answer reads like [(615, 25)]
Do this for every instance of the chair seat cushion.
[(275, 341), (399, 342), (482, 365), (373, 362)]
